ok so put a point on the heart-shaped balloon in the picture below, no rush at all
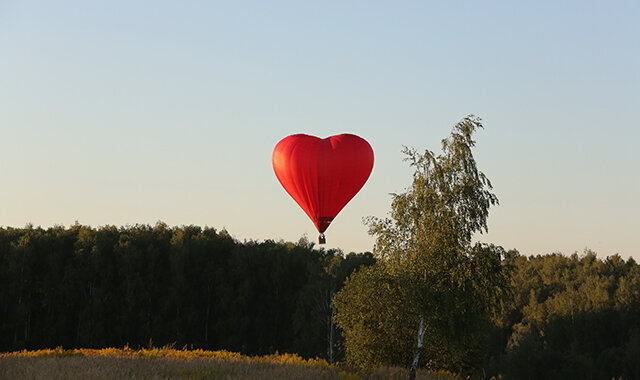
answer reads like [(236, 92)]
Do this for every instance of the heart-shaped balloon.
[(322, 175)]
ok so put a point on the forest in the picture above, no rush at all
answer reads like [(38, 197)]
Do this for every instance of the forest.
[(154, 285), (564, 317), (568, 317)]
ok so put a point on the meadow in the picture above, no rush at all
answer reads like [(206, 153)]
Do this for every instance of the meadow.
[(168, 363)]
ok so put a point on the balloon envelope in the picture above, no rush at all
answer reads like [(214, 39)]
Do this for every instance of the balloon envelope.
[(322, 175)]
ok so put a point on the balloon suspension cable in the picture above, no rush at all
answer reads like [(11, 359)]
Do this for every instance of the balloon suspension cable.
[(322, 239)]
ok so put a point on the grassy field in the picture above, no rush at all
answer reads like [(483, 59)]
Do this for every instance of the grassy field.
[(165, 363)]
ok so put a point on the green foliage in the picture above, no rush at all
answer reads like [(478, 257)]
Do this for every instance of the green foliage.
[(372, 311), (570, 317), (428, 268), (567, 317), (312, 320), (109, 287)]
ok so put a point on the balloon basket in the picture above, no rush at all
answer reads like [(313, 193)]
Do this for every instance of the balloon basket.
[(322, 239)]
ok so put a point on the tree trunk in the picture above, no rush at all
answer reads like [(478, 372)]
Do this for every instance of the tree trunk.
[(330, 331), (177, 323), (416, 358), (206, 322), (26, 327), (149, 316)]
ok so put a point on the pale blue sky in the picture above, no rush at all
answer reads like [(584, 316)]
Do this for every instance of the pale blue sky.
[(126, 112)]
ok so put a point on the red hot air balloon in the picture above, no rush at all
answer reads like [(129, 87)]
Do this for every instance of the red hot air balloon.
[(322, 175)]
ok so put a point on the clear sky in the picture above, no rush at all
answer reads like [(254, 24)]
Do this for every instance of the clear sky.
[(124, 112)]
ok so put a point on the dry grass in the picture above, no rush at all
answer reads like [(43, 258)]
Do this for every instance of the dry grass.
[(165, 363)]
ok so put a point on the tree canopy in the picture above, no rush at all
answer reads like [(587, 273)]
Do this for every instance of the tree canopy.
[(109, 287), (570, 317), (430, 280)]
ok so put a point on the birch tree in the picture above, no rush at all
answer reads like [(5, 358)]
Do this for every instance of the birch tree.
[(447, 285)]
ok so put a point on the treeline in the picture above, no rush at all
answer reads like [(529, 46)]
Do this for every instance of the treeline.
[(574, 317), (142, 285)]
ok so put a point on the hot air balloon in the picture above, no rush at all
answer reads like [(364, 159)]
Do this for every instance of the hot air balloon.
[(322, 175)]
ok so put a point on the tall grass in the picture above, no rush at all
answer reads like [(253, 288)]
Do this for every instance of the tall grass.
[(167, 363)]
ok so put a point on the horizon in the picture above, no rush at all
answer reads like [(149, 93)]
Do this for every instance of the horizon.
[(315, 245)]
